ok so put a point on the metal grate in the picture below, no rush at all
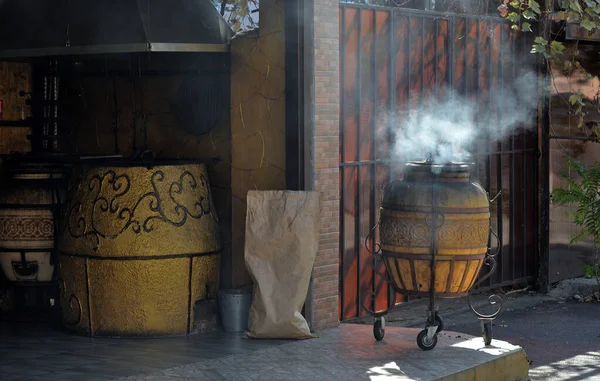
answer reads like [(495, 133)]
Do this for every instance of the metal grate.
[(393, 60)]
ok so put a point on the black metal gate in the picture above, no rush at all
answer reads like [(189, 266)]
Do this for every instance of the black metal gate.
[(394, 59)]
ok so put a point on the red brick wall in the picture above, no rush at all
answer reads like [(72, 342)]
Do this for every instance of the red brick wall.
[(326, 160)]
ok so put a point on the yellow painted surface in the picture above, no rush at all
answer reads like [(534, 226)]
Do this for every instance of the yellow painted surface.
[(73, 294), (257, 120), (141, 298), (205, 276), (511, 367), (126, 246)]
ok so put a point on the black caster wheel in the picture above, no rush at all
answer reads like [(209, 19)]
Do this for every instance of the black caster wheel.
[(440, 323), (486, 332), (379, 329), (424, 343)]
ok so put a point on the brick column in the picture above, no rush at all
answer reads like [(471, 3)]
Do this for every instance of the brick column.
[(325, 159)]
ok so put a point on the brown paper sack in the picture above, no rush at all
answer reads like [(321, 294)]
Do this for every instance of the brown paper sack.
[(282, 238)]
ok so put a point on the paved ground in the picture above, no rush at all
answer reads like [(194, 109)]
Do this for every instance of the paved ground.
[(346, 353), (561, 338)]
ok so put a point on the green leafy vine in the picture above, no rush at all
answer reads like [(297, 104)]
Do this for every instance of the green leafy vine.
[(582, 14)]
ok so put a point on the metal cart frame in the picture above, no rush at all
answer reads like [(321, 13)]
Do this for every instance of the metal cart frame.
[(427, 338)]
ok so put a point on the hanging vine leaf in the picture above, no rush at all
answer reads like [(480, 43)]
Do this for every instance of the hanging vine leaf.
[(587, 24), (514, 17), (576, 98), (557, 47), (529, 15), (535, 7), (574, 5), (560, 16)]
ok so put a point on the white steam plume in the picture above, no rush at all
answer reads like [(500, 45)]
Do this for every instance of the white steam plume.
[(447, 129)]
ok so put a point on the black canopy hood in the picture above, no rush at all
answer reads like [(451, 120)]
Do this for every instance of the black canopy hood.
[(35, 28)]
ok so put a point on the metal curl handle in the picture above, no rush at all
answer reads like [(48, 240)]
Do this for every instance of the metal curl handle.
[(388, 279), (498, 243), (376, 257), (491, 200), (493, 299), (370, 311), (370, 237)]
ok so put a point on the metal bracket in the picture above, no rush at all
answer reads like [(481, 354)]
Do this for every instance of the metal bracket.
[(382, 320), (431, 331)]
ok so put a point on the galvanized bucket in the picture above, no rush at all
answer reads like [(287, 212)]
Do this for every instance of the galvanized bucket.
[(234, 306)]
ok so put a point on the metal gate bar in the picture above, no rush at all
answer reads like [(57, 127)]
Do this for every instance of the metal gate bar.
[(378, 39)]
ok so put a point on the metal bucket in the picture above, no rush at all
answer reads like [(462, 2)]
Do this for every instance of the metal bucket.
[(234, 306)]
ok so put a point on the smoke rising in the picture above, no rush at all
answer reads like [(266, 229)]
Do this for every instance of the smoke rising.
[(449, 128)]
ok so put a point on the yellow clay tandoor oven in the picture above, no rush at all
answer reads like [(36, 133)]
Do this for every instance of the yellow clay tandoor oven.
[(138, 247), (444, 198)]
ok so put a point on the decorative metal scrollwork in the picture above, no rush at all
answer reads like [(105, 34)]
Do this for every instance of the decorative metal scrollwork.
[(490, 260), (376, 257), (159, 205)]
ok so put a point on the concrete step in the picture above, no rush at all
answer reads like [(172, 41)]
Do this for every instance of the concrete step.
[(350, 353), (456, 357)]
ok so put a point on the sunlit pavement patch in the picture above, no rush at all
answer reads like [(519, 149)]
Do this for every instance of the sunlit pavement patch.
[(581, 367)]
